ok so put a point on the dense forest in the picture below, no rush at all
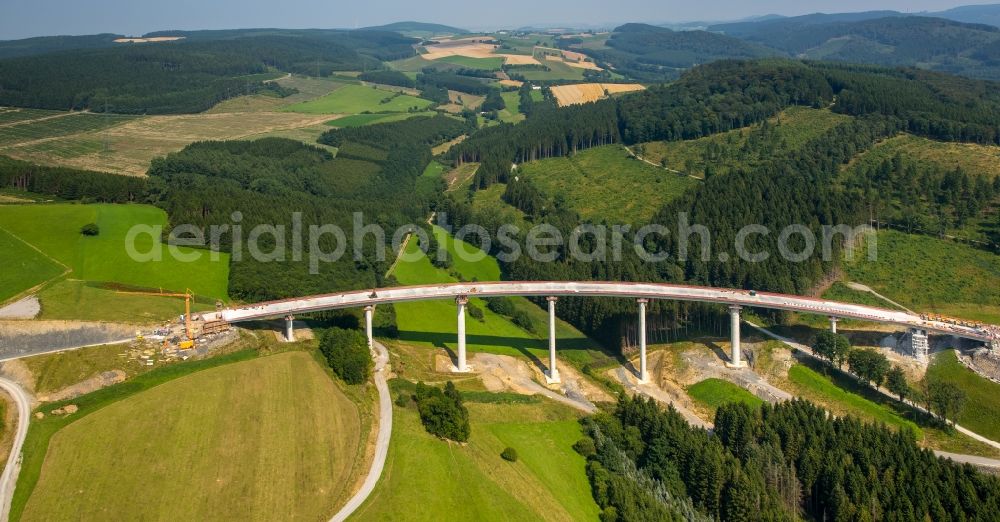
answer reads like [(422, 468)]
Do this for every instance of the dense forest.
[(179, 77), (801, 186), (783, 462), (376, 174)]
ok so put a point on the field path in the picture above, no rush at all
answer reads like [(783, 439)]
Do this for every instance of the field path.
[(10, 472), (381, 440), (657, 165), (43, 118)]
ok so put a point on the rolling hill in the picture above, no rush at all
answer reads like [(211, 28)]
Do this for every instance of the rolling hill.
[(883, 38), (416, 28), (648, 52)]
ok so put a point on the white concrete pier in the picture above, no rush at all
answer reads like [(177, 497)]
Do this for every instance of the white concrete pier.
[(643, 375), (461, 301), (552, 377), (736, 356)]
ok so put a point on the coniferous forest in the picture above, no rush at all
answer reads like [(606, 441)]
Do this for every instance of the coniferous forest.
[(789, 461)]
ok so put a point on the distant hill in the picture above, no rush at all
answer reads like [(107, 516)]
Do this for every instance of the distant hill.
[(49, 44), (749, 28), (975, 14), (933, 43), (420, 28), (652, 53)]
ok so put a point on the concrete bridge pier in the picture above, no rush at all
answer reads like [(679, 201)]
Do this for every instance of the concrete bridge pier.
[(552, 376), (833, 324), (461, 301), (369, 312), (643, 376), (736, 356), (290, 328)]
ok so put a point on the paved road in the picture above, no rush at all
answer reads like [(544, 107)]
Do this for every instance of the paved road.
[(9, 478), (979, 462), (381, 440)]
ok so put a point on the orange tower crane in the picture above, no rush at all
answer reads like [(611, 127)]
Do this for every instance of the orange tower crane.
[(188, 329)]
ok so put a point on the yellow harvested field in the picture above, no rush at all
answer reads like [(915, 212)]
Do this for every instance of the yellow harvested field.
[(573, 56), (589, 92), (150, 39), (511, 83), (471, 50), (134, 144), (519, 59)]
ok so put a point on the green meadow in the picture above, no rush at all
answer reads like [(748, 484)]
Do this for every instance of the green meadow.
[(928, 274), (356, 99), (471, 482), (98, 263), (583, 179), (23, 267), (358, 120), (981, 413), (713, 393)]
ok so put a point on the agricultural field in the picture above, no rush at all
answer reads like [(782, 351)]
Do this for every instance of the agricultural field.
[(23, 267), (557, 70), (511, 112), (931, 275), (590, 92), (47, 127), (9, 115), (130, 146), (469, 62), (94, 262), (583, 180), (471, 481), (309, 88), (358, 120), (433, 323), (787, 131), (273, 435), (355, 99), (712, 393), (981, 413)]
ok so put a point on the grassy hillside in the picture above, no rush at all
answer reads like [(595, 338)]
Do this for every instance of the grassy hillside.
[(426, 478), (787, 131), (982, 406), (712, 393), (434, 322), (932, 275), (583, 180), (97, 261), (263, 438), (355, 99)]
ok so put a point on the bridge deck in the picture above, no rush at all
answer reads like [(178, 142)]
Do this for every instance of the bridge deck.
[(361, 298)]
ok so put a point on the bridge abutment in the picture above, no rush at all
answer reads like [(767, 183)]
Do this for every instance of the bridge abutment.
[(736, 355), (918, 345)]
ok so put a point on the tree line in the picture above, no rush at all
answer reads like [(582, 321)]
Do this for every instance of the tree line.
[(777, 462)]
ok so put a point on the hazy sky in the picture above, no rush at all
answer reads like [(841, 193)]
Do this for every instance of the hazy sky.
[(23, 18)]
